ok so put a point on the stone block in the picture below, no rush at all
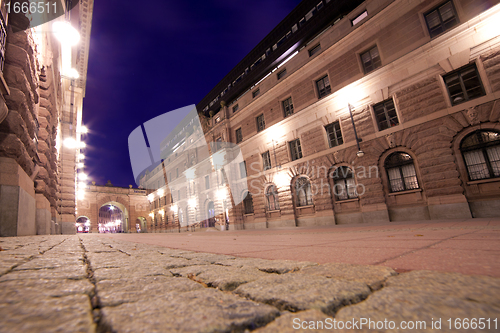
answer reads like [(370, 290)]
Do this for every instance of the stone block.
[(485, 208), (416, 213), (17, 200), (43, 215), (447, 207), (298, 292)]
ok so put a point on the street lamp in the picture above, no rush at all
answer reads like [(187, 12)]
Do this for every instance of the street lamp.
[(360, 153)]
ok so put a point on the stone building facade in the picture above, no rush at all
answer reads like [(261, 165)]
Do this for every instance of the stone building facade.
[(132, 203), (388, 112), (41, 107)]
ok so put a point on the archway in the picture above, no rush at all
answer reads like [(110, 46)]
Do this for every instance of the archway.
[(82, 224), (210, 221), (141, 225), (113, 218)]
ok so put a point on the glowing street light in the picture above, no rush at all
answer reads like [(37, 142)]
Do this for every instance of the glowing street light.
[(81, 157), (82, 176), (192, 202), (173, 208), (83, 129), (72, 73), (65, 33)]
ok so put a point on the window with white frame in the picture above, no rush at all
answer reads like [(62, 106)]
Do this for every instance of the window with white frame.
[(385, 114), (303, 193), (334, 134), (371, 60), (287, 107), (344, 186), (481, 153), (401, 172), (323, 86), (266, 161), (295, 149), (261, 124), (464, 84), (272, 200), (441, 18)]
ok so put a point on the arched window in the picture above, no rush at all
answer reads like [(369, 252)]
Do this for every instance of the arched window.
[(248, 203), (303, 192), (272, 198), (344, 186), (481, 152), (401, 172)]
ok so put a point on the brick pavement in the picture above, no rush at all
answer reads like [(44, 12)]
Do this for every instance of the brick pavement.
[(91, 283)]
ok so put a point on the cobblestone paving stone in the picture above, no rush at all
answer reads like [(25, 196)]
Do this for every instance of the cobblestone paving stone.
[(88, 283)]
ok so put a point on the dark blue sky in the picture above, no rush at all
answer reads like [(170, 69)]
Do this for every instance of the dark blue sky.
[(149, 57)]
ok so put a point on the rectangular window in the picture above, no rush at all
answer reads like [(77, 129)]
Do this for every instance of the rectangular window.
[(256, 93), (207, 182), (371, 60), (261, 124), (323, 86), (178, 194), (177, 173), (295, 149), (334, 134), (359, 18), (441, 18), (266, 161), (235, 108), (239, 136), (385, 114), (315, 50), (281, 74), (288, 107), (243, 169), (294, 28), (464, 84)]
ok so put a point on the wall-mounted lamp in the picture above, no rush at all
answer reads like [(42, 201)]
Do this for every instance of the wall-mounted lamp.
[(360, 153)]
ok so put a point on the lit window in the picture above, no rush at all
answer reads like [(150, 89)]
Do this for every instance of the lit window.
[(288, 107), (266, 161), (401, 172), (248, 203), (315, 50), (256, 93), (272, 199), (481, 152), (281, 74), (334, 134), (295, 149), (359, 18), (344, 185), (261, 124), (464, 84), (323, 86), (371, 60), (385, 114), (303, 193), (239, 135), (440, 19)]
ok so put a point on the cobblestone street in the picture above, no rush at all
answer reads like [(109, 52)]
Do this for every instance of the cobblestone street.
[(92, 283)]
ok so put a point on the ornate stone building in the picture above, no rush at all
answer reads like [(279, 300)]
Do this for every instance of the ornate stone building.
[(352, 112), (42, 83), (131, 204)]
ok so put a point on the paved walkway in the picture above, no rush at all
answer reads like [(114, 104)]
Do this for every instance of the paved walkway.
[(468, 246), (97, 283)]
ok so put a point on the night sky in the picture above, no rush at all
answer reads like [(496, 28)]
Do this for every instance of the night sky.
[(149, 57)]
